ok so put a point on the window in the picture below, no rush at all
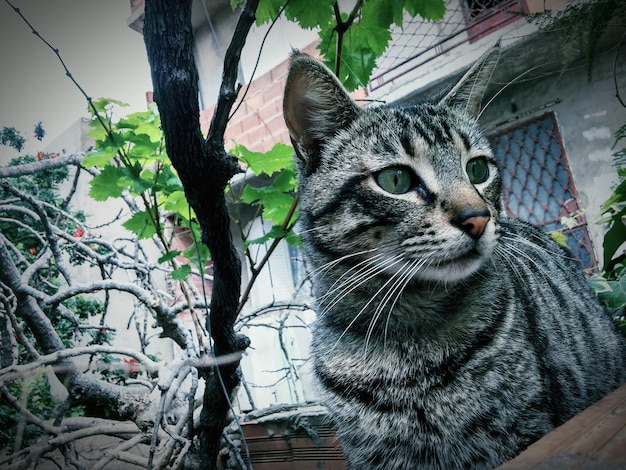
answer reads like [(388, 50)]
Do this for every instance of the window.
[(537, 183), (485, 16)]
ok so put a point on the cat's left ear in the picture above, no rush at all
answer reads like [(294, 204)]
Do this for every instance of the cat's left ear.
[(315, 107), (468, 93)]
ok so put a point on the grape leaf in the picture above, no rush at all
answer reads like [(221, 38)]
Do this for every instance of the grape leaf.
[(170, 255), (428, 9), (107, 184), (276, 159), (267, 11), (181, 273), (309, 14), (141, 225)]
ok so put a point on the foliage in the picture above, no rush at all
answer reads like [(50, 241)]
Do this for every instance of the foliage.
[(351, 42), (34, 392), (276, 199), (131, 159), (610, 285), (12, 137)]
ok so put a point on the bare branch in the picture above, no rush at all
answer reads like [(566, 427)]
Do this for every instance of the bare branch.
[(25, 169), (17, 371)]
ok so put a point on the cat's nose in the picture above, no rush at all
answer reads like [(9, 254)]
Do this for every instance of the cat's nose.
[(473, 222)]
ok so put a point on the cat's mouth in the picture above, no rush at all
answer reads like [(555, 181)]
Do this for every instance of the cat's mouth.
[(453, 269)]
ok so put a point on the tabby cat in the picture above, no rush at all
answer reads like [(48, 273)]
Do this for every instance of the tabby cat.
[(448, 335)]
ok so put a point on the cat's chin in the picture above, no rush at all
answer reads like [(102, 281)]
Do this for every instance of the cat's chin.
[(453, 270)]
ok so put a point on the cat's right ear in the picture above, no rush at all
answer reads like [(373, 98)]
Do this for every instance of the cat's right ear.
[(315, 106), (468, 93)]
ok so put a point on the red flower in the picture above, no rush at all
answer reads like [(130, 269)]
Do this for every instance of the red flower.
[(41, 156), (78, 233), (33, 251)]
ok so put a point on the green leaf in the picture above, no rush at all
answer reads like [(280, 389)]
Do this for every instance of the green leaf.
[(613, 240), (615, 297), (267, 11), (191, 253), (107, 184), (428, 9), (181, 273), (275, 232), (276, 207), (619, 195), (154, 132), (176, 202), (101, 158), (167, 181), (103, 104), (283, 183), (373, 30), (309, 15), (141, 225), (276, 159), (170, 255), (97, 132), (560, 238)]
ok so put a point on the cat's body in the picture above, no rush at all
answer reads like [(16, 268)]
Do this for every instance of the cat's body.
[(448, 336)]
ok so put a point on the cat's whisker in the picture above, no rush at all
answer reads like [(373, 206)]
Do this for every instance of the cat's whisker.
[(358, 279), (415, 266), (353, 274), (321, 270), (517, 240), (393, 280), (511, 82), (382, 267), (519, 252)]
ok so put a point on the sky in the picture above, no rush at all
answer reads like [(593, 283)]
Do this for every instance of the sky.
[(104, 55)]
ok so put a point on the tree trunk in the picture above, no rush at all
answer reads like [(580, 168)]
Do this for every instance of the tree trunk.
[(204, 169)]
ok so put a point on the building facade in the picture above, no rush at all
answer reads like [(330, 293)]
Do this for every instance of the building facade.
[(551, 123)]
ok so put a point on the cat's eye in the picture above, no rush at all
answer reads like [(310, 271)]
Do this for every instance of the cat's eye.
[(395, 180), (477, 170)]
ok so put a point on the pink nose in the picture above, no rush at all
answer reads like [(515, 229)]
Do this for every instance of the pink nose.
[(474, 226)]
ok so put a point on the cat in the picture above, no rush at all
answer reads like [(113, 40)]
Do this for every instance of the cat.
[(447, 335)]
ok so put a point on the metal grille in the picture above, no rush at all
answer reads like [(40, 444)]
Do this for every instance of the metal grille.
[(537, 184), (418, 41)]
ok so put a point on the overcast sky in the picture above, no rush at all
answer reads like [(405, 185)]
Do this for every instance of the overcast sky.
[(103, 54)]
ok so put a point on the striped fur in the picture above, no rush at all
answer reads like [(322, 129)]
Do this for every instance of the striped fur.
[(440, 343)]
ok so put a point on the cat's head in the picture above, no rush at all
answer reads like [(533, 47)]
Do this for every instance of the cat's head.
[(413, 187)]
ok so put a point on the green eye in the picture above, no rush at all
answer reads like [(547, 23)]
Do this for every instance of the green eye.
[(395, 180), (477, 170)]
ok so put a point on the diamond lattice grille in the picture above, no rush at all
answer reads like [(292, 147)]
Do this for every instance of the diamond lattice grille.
[(537, 184)]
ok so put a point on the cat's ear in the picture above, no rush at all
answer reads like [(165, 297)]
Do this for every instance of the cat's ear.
[(468, 93), (315, 106)]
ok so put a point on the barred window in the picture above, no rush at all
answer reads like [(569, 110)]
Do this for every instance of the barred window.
[(537, 183)]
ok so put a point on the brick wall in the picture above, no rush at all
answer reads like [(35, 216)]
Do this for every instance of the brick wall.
[(258, 123)]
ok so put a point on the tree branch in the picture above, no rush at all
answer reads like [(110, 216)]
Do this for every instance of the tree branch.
[(47, 164), (228, 89)]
